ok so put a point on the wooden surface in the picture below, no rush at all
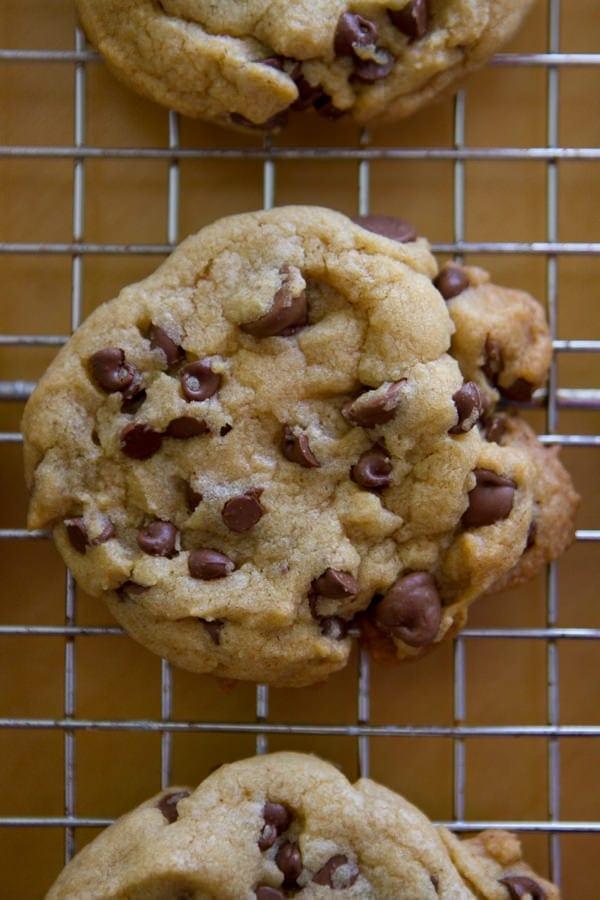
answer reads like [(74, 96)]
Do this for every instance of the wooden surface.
[(126, 201)]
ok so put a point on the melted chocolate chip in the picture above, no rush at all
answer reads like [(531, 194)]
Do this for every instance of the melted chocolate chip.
[(412, 20), (490, 501), (110, 370), (288, 313), (370, 70), (388, 226), (335, 584), (329, 874), (495, 429), (207, 565), (264, 892), (160, 340), (334, 628), (296, 448), (531, 534), (158, 539), (521, 886), (469, 407), (130, 589), (451, 281), (520, 391), (168, 805), (243, 512), (277, 820), (213, 628), (198, 381), (353, 31), (308, 94), (192, 497), (289, 861), (185, 427), (77, 534), (411, 610), (492, 364), (140, 441), (374, 407), (373, 471)]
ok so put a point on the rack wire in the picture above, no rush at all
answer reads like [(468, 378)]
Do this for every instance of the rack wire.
[(554, 400)]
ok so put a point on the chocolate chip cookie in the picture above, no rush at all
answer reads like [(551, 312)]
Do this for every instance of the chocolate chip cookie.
[(249, 65), (270, 435), (290, 825)]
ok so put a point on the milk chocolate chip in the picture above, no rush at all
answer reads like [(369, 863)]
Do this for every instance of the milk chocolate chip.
[(277, 820), (411, 610), (490, 501), (412, 20), (213, 628), (198, 381), (451, 281), (111, 372), (289, 861), (77, 534), (520, 886), (374, 407), (388, 226), (288, 313), (207, 565), (353, 31), (330, 875), (333, 627), (492, 363), (160, 340), (335, 585), (168, 805), (370, 70), (469, 407), (158, 539), (520, 391), (139, 441), (185, 427), (373, 471), (296, 448), (264, 892), (243, 512)]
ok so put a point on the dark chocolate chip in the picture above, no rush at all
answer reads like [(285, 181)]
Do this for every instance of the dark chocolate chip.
[(213, 628), (185, 427), (335, 584), (334, 628), (531, 534), (388, 226), (279, 120), (495, 429), (370, 70), (139, 441), (264, 892), (353, 31), (411, 610), (160, 340), (158, 539), (289, 861), (110, 370), (77, 534), (469, 407), (412, 20), (225, 429), (130, 589), (277, 820), (296, 448), (288, 313), (373, 471), (207, 565), (168, 805), (451, 281), (374, 407), (131, 404), (521, 886), (105, 535), (192, 497), (243, 512), (198, 381), (491, 500), (520, 391), (329, 876), (492, 364)]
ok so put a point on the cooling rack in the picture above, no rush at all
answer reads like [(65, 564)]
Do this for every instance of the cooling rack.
[(552, 401)]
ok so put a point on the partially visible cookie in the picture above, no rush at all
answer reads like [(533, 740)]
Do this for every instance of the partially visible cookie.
[(290, 825), (248, 65)]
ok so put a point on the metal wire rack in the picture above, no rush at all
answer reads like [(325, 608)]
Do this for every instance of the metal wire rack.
[(554, 399)]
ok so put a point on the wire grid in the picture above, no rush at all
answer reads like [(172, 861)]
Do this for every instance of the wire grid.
[(554, 399)]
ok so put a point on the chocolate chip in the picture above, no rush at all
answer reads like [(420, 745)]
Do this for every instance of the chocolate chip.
[(334, 628), (495, 429), (325, 107), (491, 500), (373, 469), (308, 94), (289, 861), (158, 539), (370, 70), (335, 584), (160, 340), (329, 876), (243, 512), (264, 892), (388, 226), (531, 535), (412, 20), (110, 370), (411, 610), (105, 535), (213, 628), (353, 31), (274, 62), (168, 805), (198, 381), (279, 120), (296, 448), (451, 281), (225, 429), (288, 313), (140, 441), (192, 497), (277, 820), (130, 589), (520, 391), (131, 404), (77, 534), (207, 565), (469, 407), (435, 882), (520, 886), (492, 364), (185, 427), (374, 407)]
